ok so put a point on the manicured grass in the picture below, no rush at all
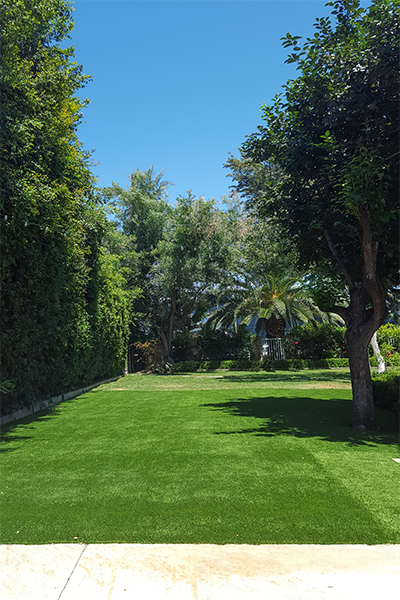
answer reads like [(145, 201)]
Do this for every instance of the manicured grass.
[(208, 458)]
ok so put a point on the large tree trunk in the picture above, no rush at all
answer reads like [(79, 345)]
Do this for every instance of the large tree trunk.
[(361, 324), (166, 337), (166, 347), (362, 320), (361, 384)]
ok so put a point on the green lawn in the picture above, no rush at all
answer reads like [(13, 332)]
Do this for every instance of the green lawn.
[(223, 457)]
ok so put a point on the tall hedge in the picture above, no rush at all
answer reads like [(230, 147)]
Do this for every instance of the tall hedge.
[(63, 310)]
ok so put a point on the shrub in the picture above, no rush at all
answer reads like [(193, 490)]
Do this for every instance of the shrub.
[(245, 365), (185, 346), (389, 335), (299, 363), (282, 365), (145, 355), (392, 359), (388, 338), (211, 365), (386, 388), (256, 365), (337, 362), (313, 341), (268, 364), (185, 366), (224, 344)]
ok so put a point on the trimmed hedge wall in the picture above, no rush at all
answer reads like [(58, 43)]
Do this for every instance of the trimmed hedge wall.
[(190, 366)]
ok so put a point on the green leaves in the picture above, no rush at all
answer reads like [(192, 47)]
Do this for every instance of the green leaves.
[(292, 41), (177, 254), (334, 138), (329, 143), (58, 288)]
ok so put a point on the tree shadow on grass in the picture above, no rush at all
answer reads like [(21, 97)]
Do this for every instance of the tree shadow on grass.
[(292, 376), (8, 430), (328, 420)]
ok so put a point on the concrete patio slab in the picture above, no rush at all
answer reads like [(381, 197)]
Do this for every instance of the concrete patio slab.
[(199, 572), (36, 571)]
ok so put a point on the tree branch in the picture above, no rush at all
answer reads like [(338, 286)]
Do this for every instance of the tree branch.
[(341, 264), (342, 311), (172, 315)]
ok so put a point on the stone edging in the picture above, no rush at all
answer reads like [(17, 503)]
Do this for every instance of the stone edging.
[(29, 410)]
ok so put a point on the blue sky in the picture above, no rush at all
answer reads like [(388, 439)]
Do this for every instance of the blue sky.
[(179, 84)]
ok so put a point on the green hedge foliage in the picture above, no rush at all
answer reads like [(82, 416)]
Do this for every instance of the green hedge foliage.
[(386, 391), (389, 334), (315, 341), (63, 308), (253, 365), (392, 359), (222, 344)]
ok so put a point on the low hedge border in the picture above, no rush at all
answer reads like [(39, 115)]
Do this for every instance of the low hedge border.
[(190, 366)]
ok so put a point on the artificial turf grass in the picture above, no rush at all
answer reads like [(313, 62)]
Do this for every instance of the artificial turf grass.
[(220, 379), (231, 466)]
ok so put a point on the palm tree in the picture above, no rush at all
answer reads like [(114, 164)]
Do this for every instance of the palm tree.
[(275, 300)]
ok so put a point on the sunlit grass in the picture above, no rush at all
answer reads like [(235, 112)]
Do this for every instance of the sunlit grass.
[(247, 458)]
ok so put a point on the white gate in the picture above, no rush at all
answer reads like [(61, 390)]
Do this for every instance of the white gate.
[(273, 349)]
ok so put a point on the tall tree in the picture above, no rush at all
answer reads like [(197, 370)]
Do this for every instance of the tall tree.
[(142, 214), (330, 146), (194, 258), (182, 252)]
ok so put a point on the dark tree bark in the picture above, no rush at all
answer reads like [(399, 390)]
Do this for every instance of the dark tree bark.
[(362, 322), (166, 348), (166, 337), (363, 404), (360, 328)]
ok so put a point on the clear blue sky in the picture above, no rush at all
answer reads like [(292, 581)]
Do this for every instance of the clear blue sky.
[(179, 84)]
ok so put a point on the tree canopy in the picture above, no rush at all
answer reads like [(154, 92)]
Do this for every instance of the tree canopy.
[(181, 252), (326, 166)]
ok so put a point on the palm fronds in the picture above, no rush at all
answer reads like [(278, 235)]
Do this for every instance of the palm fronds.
[(274, 301)]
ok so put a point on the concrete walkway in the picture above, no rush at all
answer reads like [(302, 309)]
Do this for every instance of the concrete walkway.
[(199, 572)]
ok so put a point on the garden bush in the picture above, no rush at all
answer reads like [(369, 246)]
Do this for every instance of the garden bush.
[(224, 344), (190, 366), (63, 303), (337, 362), (185, 346), (386, 390), (145, 355), (392, 359), (389, 334), (313, 341), (210, 365), (388, 338), (244, 365), (186, 366)]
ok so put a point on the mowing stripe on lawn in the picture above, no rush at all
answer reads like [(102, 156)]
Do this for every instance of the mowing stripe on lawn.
[(217, 466)]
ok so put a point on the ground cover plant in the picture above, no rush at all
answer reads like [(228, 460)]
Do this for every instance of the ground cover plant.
[(222, 457)]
